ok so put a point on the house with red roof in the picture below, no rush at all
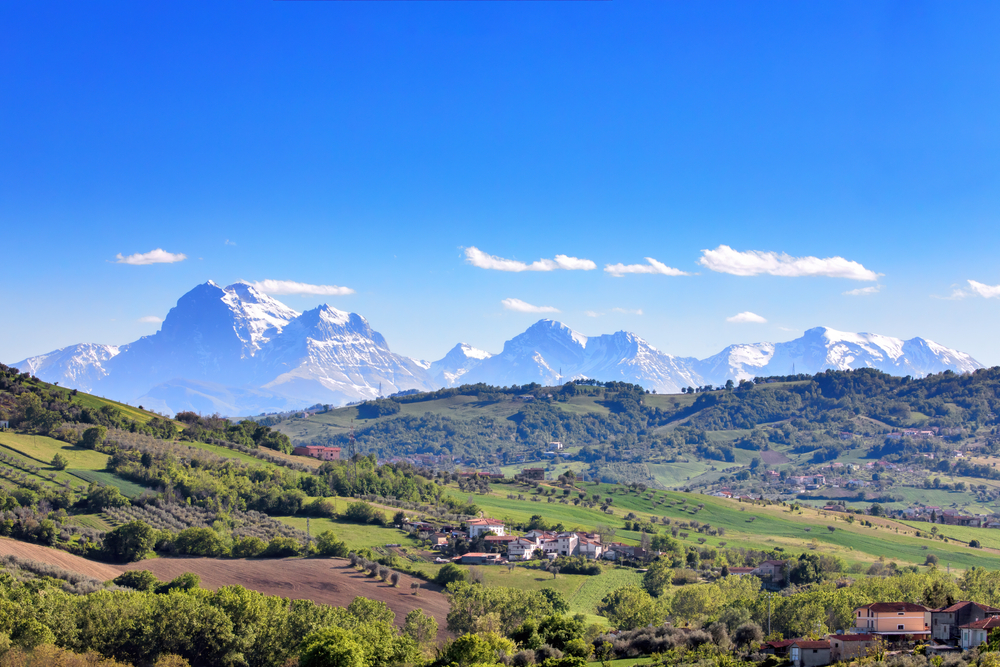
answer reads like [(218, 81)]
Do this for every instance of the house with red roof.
[(977, 632), (945, 622), (809, 653)]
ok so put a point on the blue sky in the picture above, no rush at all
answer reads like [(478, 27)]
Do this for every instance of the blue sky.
[(371, 145)]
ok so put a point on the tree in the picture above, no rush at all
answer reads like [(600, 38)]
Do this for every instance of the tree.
[(556, 599), (487, 648), (93, 436), (327, 544), (449, 573), (200, 542), (140, 580), (59, 462), (657, 577), (748, 634), (332, 647), (129, 542), (420, 627), (101, 497), (630, 607)]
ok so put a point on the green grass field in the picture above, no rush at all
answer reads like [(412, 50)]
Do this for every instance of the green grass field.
[(42, 449), (746, 525), (128, 489)]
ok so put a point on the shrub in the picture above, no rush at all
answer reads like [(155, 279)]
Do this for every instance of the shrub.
[(247, 547), (200, 542), (448, 574), (140, 580), (282, 547)]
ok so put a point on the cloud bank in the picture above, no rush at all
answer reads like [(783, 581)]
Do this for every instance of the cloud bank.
[(291, 287), (524, 307), (158, 256), (619, 270), (746, 316), (150, 319), (755, 262), (480, 259)]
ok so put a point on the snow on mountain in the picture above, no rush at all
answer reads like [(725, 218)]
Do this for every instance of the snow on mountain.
[(460, 360), (549, 352), (329, 356), (78, 366), (237, 351), (821, 348)]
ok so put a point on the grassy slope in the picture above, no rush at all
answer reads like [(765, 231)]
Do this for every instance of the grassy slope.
[(773, 526)]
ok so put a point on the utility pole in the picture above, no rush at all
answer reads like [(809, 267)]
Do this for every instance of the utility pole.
[(352, 448), (769, 613)]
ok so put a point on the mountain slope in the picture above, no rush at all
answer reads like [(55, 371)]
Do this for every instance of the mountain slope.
[(822, 348), (460, 360), (236, 350), (78, 366), (550, 353)]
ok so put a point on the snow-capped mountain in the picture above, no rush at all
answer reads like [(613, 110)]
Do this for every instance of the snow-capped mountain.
[(329, 356), (237, 351), (822, 348), (460, 360), (549, 352), (210, 335), (78, 366)]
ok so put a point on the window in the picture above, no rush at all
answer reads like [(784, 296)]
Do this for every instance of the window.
[(899, 614), (899, 627)]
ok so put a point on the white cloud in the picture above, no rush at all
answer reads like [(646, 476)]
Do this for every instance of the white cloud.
[(478, 258), (228, 242), (864, 291), (292, 287), (591, 313), (158, 256), (755, 262), (150, 319), (746, 316), (619, 270), (523, 307), (986, 291), (626, 311)]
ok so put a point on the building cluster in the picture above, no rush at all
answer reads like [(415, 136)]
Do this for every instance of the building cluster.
[(957, 627), (533, 544)]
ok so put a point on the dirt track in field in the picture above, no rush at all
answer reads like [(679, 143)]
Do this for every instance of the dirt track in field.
[(329, 581)]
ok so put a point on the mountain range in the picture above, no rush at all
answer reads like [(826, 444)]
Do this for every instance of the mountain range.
[(237, 351)]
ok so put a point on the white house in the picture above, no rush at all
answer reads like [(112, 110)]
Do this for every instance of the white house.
[(522, 548), (479, 526), (977, 632), (590, 548)]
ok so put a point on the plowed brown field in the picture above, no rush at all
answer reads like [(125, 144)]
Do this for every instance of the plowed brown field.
[(327, 581)]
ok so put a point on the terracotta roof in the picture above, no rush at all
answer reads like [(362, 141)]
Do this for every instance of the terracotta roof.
[(893, 607), (484, 522), (854, 638), (784, 643), (985, 624), (810, 644), (965, 603)]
